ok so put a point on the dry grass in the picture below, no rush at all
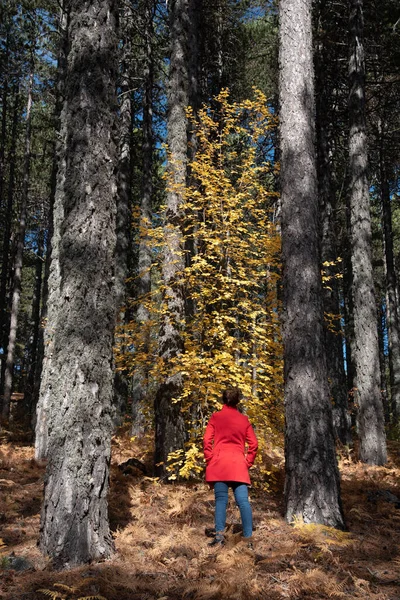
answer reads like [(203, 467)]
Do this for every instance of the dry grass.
[(162, 552)]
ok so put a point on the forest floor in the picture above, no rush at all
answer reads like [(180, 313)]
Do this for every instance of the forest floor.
[(162, 551)]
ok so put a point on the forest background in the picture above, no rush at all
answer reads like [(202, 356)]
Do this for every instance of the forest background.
[(197, 169)]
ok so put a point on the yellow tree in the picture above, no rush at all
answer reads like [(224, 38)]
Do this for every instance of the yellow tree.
[(232, 335)]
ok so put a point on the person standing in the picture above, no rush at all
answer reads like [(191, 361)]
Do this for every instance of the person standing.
[(230, 448)]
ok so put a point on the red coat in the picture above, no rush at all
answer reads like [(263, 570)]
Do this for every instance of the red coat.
[(225, 439)]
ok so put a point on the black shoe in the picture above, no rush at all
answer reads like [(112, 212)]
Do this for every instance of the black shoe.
[(210, 532), (217, 541), (250, 546)]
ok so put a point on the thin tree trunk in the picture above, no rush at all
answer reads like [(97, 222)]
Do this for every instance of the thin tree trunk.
[(124, 200), (7, 224), (144, 249), (74, 520), (170, 431), (370, 421), (33, 356), (312, 488), (3, 131), (8, 376), (330, 291), (382, 329), (391, 287)]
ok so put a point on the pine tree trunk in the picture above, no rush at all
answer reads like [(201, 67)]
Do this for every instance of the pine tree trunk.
[(53, 276), (169, 423), (33, 347), (330, 291), (74, 521), (312, 488), (8, 222), (16, 295), (4, 115), (144, 248), (392, 308), (370, 421)]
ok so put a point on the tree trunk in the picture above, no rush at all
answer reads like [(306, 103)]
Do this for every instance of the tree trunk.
[(12, 338), (144, 248), (51, 292), (33, 354), (4, 115), (74, 521), (391, 287), (312, 488), (329, 255), (169, 423), (7, 224), (370, 421)]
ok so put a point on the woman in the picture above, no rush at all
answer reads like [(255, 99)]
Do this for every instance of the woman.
[(228, 462)]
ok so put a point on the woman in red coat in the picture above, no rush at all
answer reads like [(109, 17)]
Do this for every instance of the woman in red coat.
[(225, 439)]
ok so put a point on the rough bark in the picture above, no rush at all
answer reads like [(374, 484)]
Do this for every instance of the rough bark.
[(329, 255), (33, 347), (3, 137), (51, 298), (312, 487), (392, 308), (74, 520), (370, 420), (16, 291), (169, 423), (144, 247), (7, 222)]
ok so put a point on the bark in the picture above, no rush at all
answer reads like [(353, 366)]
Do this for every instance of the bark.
[(16, 295), (124, 201), (370, 421), (382, 329), (392, 308), (330, 291), (74, 520), (51, 292), (4, 108), (312, 487), (33, 355), (139, 386), (169, 423), (7, 223)]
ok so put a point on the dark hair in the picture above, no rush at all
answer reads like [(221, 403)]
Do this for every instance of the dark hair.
[(231, 396)]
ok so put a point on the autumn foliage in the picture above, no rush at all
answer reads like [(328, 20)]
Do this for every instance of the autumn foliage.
[(232, 245)]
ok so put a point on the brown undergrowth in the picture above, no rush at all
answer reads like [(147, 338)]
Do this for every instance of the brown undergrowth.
[(162, 552)]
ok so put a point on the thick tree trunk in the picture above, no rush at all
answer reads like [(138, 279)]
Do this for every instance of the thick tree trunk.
[(16, 295), (370, 421), (169, 422), (51, 292), (74, 522), (312, 488)]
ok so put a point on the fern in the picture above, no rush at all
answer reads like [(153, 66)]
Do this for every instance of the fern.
[(67, 588), (53, 595), (97, 597)]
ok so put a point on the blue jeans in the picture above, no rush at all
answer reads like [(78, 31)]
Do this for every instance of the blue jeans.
[(242, 500)]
